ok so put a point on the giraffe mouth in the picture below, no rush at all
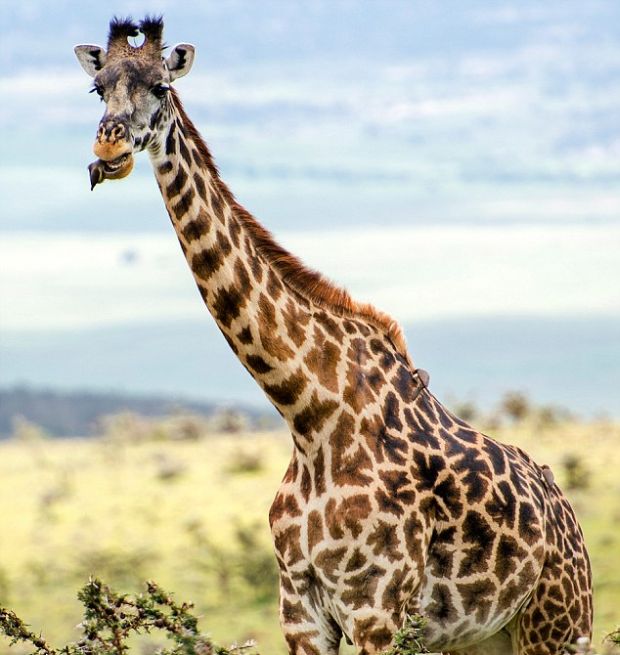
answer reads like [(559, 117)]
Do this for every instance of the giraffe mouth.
[(110, 169), (114, 165)]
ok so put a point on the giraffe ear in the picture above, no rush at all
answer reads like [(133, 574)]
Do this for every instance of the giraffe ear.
[(91, 58), (180, 60)]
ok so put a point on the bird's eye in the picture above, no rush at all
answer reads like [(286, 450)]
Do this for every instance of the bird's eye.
[(98, 89), (160, 90)]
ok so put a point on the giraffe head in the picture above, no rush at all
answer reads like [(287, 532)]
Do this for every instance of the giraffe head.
[(134, 82)]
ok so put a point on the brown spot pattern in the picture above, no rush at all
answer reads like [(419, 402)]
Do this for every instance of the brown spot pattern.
[(408, 491)]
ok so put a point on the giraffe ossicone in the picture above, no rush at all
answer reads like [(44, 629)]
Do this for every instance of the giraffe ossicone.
[(390, 505)]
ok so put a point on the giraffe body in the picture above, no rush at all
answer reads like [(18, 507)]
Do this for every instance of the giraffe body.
[(452, 525), (390, 504)]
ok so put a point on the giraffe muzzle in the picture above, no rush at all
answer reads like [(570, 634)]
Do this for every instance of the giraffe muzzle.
[(113, 139), (114, 149)]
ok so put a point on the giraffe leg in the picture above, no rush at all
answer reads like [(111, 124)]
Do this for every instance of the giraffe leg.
[(307, 641), (372, 633), (307, 629), (559, 612)]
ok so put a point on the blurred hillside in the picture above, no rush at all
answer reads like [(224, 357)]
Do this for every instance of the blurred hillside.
[(80, 413)]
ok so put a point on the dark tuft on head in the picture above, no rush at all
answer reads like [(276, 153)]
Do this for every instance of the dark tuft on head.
[(152, 26), (121, 28)]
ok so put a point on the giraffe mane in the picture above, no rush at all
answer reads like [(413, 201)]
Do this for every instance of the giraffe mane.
[(310, 284)]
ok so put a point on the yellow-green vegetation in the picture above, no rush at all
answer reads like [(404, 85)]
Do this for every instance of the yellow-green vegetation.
[(409, 640), (112, 619), (191, 513)]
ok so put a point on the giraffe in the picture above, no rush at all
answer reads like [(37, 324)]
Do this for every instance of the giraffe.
[(390, 505)]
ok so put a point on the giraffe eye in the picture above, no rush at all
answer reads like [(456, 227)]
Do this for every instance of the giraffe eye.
[(98, 89), (160, 90)]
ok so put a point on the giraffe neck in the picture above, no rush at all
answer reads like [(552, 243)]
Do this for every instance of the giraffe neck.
[(298, 348)]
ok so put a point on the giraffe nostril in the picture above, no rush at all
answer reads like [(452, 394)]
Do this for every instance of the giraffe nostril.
[(111, 131)]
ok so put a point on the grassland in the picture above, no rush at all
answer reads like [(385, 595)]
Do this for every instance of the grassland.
[(192, 514)]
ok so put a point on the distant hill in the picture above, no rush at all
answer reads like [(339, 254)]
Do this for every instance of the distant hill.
[(70, 414)]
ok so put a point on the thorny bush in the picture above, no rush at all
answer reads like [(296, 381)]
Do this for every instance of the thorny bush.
[(111, 618)]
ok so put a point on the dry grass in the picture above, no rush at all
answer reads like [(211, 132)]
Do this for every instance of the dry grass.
[(192, 514)]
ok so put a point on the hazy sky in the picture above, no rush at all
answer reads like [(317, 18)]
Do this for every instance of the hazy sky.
[(446, 161)]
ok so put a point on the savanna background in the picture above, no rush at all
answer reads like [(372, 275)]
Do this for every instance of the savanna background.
[(455, 163)]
